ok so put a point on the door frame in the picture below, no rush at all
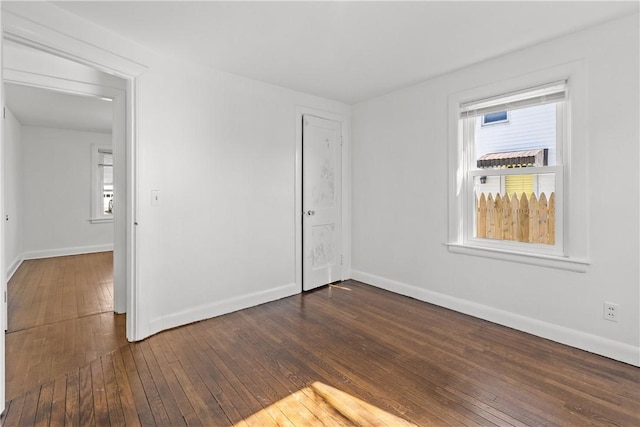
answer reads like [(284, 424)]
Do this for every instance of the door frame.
[(30, 33), (345, 121)]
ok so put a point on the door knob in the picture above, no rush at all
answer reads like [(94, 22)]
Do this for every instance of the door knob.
[(310, 213)]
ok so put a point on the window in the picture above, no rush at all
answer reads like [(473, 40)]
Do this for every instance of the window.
[(515, 170), (494, 118), (102, 205), (518, 190)]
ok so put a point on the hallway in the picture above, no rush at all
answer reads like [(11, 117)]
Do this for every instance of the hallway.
[(60, 316)]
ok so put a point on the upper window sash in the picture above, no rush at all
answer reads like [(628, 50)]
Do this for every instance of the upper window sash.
[(545, 94)]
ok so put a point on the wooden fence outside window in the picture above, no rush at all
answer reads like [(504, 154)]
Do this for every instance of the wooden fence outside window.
[(523, 219)]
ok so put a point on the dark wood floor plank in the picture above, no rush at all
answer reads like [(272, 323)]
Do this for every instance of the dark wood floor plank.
[(124, 390), (192, 389), (87, 415), (13, 411), (200, 379), (150, 390), (246, 403), (28, 415), (58, 401), (72, 403), (116, 414), (100, 405), (168, 398), (43, 414), (142, 404), (160, 349)]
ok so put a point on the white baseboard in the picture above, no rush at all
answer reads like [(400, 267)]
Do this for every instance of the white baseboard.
[(14, 266), (218, 308), (78, 250), (571, 337)]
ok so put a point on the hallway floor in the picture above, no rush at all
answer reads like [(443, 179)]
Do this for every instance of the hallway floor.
[(60, 316)]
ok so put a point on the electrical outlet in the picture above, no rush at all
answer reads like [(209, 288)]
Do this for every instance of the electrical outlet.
[(611, 311)]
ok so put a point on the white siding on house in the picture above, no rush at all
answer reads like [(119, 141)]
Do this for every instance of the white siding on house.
[(527, 129)]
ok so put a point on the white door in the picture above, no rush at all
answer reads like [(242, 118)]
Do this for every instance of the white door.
[(321, 202)]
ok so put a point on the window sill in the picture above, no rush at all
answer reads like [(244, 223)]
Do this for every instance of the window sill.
[(100, 220), (551, 261)]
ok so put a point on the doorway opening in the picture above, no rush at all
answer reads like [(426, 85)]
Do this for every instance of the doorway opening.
[(67, 255)]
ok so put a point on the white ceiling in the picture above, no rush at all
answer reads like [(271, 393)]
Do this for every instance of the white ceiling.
[(34, 106), (347, 51)]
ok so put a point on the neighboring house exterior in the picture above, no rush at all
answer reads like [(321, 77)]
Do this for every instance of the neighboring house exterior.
[(523, 130)]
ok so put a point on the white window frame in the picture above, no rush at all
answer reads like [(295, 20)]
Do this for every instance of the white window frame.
[(473, 172), (98, 215), (570, 171)]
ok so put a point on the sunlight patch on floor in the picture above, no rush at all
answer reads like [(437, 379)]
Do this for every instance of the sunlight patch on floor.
[(321, 404)]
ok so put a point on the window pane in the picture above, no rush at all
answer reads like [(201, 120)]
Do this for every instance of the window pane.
[(106, 166), (504, 212), (494, 118), (107, 195), (528, 130)]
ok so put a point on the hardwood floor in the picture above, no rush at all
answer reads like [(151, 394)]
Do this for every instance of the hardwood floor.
[(49, 290), (60, 316), (348, 354)]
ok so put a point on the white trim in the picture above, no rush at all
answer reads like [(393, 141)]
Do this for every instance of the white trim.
[(71, 87), (15, 265), (4, 318), (345, 120), (542, 260), (571, 337), (218, 308), (28, 32), (77, 250), (101, 220)]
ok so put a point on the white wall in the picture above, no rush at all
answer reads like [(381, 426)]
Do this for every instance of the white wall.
[(56, 184), (399, 228), (12, 192), (221, 150)]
